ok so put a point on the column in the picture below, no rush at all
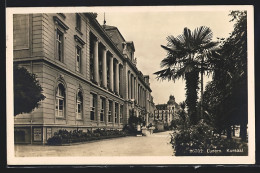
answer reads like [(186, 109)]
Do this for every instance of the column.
[(141, 93), (129, 85), (104, 67), (132, 87), (96, 75), (121, 80), (126, 82), (136, 93), (140, 96), (111, 73), (117, 77), (143, 96)]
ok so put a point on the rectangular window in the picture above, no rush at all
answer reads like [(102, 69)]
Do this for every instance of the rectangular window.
[(59, 45), (100, 68), (78, 22), (92, 106), (59, 108), (78, 110), (78, 58), (116, 112), (102, 108), (121, 113), (91, 61), (110, 111), (79, 107)]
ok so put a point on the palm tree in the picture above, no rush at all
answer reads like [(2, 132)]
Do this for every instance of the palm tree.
[(188, 55)]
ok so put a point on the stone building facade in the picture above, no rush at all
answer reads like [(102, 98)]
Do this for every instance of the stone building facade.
[(87, 71), (165, 113)]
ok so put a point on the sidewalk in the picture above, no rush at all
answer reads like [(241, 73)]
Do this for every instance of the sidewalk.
[(156, 144)]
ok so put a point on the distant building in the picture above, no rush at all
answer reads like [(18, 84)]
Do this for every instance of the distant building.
[(165, 113), (87, 71)]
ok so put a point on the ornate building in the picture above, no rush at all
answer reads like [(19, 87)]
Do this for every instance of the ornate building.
[(166, 112), (87, 71)]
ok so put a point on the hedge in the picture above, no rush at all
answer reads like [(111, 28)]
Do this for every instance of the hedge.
[(65, 137)]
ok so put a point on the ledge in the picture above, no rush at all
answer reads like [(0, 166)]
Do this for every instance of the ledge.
[(79, 40), (60, 23)]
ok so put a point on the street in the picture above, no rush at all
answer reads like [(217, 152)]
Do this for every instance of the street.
[(156, 144)]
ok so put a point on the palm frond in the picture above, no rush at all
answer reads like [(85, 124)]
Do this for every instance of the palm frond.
[(167, 73), (202, 34), (170, 49), (168, 61)]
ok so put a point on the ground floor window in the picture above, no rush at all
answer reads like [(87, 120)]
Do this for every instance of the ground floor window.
[(116, 112), (93, 103), (79, 105), (121, 113), (60, 101), (102, 108), (110, 111)]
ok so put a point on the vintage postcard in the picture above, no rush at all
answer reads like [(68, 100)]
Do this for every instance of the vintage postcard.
[(130, 85)]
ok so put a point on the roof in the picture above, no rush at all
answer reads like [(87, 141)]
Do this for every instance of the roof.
[(107, 27), (171, 100)]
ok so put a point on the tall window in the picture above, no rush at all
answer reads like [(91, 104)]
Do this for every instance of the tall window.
[(59, 45), (110, 111), (102, 108), (93, 103), (78, 58), (78, 22), (79, 105), (114, 75), (116, 112), (60, 101), (100, 68), (91, 63), (121, 113)]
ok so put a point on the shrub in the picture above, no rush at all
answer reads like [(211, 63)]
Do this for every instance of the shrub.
[(64, 136), (55, 140), (131, 130), (199, 140)]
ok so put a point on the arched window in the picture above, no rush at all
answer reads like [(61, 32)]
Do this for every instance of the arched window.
[(60, 101), (79, 105)]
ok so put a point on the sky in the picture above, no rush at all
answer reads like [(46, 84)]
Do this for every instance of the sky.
[(148, 30)]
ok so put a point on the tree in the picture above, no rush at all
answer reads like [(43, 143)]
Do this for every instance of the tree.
[(27, 91), (188, 55), (229, 84)]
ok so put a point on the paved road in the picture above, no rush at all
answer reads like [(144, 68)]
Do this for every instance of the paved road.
[(153, 145)]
